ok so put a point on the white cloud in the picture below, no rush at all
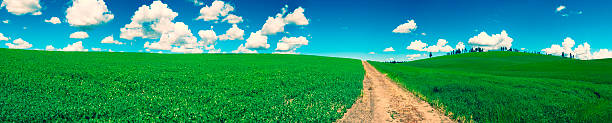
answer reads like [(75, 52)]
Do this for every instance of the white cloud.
[(79, 35), (439, 47), (406, 27), (2, 38), (196, 2), (583, 51), (390, 49), (211, 13), (257, 41), (149, 22), (495, 41), (460, 46), (554, 49), (274, 25), (96, 49), (417, 45), (233, 33), (180, 36), (110, 40), (209, 37), (155, 22), (291, 44), (560, 8), (77, 46), (567, 44), (277, 24), (602, 54), (88, 13), (19, 44), (50, 48), (54, 20), (296, 17), (5, 21), (371, 53), (243, 49), (21, 7), (186, 50), (233, 19), (413, 55), (441, 42)]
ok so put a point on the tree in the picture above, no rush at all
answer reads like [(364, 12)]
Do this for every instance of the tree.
[(563, 54), (430, 55)]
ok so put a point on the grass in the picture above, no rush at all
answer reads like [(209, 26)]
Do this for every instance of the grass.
[(98, 86), (510, 86)]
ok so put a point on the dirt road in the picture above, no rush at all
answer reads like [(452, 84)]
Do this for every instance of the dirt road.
[(384, 101)]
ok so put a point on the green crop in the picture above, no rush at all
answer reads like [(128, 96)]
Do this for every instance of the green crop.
[(100, 86), (510, 86)]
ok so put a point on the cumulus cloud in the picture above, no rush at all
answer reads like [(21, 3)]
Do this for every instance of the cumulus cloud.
[(155, 22), (243, 49), (77, 46), (233, 33), (2, 38), (19, 44), (277, 24), (406, 27), (371, 53), (297, 17), (208, 37), (233, 19), (149, 22), (213, 12), (79, 35), (460, 46), (179, 36), (110, 40), (582, 51), (88, 13), (21, 7), (602, 54), (417, 45), (274, 25), (439, 47), (50, 48), (495, 41), (291, 44), (5, 21), (257, 41), (54, 20), (390, 49)]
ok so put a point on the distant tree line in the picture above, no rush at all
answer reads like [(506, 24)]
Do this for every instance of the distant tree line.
[(479, 49)]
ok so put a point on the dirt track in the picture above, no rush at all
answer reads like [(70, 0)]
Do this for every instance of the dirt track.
[(384, 101)]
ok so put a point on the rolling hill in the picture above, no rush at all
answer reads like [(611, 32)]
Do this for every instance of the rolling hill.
[(510, 86)]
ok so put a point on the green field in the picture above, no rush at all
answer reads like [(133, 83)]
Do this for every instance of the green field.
[(510, 86), (102, 86)]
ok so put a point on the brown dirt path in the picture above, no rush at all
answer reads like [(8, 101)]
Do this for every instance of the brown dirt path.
[(384, 101)]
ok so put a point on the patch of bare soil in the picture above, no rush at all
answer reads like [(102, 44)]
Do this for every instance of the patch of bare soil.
[(384, 101)]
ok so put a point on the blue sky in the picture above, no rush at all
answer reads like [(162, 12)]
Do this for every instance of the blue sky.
[(338, 28)]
